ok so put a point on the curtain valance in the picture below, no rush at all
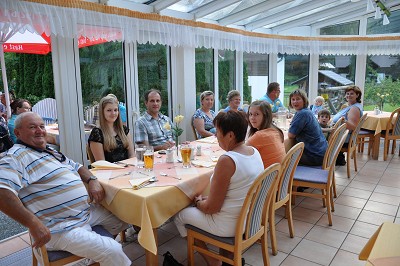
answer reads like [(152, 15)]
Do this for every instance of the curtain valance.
[(73, 18)]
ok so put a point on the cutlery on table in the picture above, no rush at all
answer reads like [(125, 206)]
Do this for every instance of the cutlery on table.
[(165, 174), (124, 174), (124, 164)]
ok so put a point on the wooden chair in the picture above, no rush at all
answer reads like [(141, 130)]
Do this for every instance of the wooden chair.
[(284, 192), (338, 123), (90, 154), (352, 145), (365, 136), (392, 133), (321, 178), (194, 130), (251, 224), (59, 257)]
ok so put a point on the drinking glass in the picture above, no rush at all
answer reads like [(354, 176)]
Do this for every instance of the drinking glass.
[(186, 151), (149, 158), (139, 151)]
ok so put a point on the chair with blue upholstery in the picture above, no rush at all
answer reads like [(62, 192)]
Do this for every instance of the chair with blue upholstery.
[(57, 258), (321, 178), (351, 147), (284, 192), (250, 227)]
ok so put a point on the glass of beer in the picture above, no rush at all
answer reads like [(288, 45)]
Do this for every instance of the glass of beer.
[(139, 151), (186, 151), (149, 158)]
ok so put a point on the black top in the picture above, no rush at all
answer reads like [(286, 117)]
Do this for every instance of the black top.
[(119, 153)]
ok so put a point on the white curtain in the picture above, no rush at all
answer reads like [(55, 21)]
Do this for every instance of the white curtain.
[(73, 22)]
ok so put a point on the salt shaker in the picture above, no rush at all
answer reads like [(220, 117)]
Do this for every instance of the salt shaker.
[(198, 150), (170, 156)]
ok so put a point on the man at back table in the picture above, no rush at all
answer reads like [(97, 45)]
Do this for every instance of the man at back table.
[(272, 96), (44, 191), (150, 127)]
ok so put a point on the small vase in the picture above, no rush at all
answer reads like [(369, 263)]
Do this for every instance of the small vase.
[(177, 146)]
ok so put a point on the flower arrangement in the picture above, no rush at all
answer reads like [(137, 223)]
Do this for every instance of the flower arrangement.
[(176, 129), (382, 99)]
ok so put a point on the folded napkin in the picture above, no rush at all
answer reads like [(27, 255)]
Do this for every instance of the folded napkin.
[(202, 163), (139, 182), (106, 165)]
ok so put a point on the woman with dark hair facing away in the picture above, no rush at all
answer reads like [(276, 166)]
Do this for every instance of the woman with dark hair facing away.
[(233, 175), (18, 106), (305, 128), (111, 141), (264, 135)]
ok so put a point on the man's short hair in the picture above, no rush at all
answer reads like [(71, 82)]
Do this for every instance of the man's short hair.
[(272, 86), (18, 120), (324, 112), (146, 94)]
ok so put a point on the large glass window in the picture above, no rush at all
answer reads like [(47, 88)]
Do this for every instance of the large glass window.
[(255, 76), (294, 74), (204, 72), (382, 82), (153, 72), (226, 76), (375, 26), (349, 28), (102, 73), (334, 72)]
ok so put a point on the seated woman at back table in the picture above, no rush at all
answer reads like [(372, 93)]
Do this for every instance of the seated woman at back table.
[(351, 113), (305, 128), (111, 141), (264, 135), (18, 106), (233, 175), (204, 116), (233, 99)]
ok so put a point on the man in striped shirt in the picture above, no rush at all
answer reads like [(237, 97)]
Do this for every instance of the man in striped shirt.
[(44, 191)]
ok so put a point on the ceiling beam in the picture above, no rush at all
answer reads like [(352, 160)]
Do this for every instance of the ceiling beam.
[(159, 5), (211, 7), (287, 13), (251, 11), (328, 13)]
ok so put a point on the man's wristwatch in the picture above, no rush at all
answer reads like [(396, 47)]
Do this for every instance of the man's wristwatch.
[(92, 177)]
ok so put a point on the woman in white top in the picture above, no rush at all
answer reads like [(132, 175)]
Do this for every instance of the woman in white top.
[(233, 175)]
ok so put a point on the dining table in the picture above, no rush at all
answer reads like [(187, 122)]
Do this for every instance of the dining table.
[(383, 246), (154, 203), (377, 123), (53, 132)]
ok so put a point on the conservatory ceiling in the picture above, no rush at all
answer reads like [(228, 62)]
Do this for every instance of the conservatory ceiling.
[(267, 16)]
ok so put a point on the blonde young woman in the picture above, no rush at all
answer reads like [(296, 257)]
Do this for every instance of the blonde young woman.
[(111, 141)]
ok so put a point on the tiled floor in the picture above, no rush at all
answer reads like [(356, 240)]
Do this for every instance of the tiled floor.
[(370, 197)]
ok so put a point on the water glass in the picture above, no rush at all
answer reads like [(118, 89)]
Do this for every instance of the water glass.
[(139, 151), (186, 151), (149, 158)]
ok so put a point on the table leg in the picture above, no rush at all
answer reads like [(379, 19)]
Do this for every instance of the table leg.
[(375, 148), (152, 259)]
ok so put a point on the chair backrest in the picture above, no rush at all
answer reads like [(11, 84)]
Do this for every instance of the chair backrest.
[(334, 145), (91, 114), (254, 212), (338, 123), (90, 154), (354, 134), (194, 130), (396, 125), (46, 108), (288, 167)]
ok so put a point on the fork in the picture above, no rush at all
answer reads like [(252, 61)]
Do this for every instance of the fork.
[(165, 174), (124, 174)]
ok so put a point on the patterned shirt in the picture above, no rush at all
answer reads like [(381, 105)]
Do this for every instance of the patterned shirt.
[(275, 104), (152, 130), (208, 122), (48, 184)]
